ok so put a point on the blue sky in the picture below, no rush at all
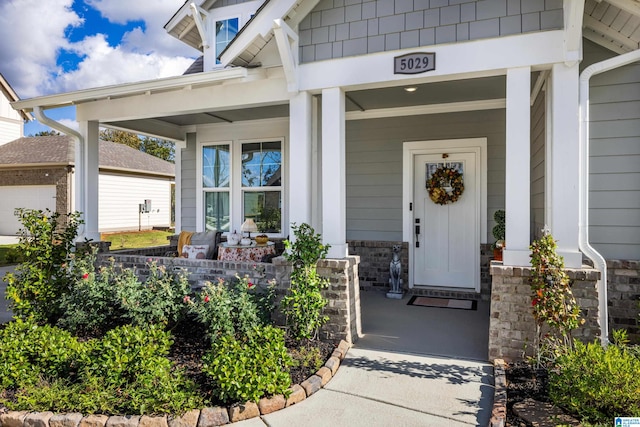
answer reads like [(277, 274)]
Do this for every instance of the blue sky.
[(55, 46)]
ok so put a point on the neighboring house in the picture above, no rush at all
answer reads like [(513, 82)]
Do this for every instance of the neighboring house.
[(335, 113), (38, 173), (11, 121)]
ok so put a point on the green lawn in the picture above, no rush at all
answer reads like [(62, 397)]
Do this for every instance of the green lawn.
[(136, 239), (8, 254)]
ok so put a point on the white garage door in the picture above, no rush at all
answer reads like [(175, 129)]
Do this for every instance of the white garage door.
[(23, 196)]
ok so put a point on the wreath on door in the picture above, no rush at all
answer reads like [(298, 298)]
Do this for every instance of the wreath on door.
[(445, 185)]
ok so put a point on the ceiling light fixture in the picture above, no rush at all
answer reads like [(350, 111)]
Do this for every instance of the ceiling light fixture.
[(410, 89)]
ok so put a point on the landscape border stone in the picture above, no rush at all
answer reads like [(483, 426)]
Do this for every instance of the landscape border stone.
[(206, 417), (499, 411)]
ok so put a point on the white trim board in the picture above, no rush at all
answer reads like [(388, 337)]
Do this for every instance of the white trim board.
[(409, 150)]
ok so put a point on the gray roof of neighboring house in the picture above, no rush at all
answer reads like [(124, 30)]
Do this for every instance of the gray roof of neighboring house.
[(59, 150), (196, 67)]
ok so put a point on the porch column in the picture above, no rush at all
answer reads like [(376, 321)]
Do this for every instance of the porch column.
[(300, 119), (88, 158), (334, 212), (564, 155), (517, 168)]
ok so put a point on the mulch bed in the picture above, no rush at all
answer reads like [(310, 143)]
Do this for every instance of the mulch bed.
[(525, 382)]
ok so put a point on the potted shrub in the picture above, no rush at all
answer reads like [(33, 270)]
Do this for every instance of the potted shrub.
[(498, 233)]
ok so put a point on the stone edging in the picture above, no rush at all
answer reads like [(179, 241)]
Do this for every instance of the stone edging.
[(499, 412), (207, 417)]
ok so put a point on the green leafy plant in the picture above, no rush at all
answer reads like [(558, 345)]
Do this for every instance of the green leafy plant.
[(101, 299), (499, 229), (29, 352), (596, 383), (232, 310), (306, 357), (46, 242), (126, 371), (303, 303), (552, 301), (251, 367)]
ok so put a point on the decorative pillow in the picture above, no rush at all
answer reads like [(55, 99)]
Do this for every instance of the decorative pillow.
[(195, 251), (205, 238)]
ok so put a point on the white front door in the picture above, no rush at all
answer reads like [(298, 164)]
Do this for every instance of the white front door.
[(446, 237)]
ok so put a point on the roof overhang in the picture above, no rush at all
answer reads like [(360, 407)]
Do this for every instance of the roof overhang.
[(182, 24), (12, 96), (168, 84), (613, 24)]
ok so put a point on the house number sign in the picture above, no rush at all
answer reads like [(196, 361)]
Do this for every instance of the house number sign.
[(414, 63)]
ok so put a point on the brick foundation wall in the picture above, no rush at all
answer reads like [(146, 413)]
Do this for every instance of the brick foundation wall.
[(623, 292), (343, 293), (46, 176), (375, 257), (511, 326)]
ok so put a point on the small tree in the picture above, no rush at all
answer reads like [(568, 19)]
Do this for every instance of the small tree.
[(46, 243), (552, 301), (304, 302)]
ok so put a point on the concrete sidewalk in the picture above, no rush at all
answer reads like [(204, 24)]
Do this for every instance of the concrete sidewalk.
[(378, 388)]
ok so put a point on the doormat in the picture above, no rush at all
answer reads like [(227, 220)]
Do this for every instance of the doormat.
[(459, 304)]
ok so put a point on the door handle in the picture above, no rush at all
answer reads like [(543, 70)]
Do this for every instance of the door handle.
[(417, 230)]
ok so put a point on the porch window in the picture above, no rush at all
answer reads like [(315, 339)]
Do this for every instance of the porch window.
[(243, 180), (262, 184), (216, 174)]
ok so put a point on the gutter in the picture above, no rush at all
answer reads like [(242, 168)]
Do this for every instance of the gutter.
[(583, 239), (79, 141)]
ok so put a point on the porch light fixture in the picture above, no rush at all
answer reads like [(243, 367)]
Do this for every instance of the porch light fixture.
[(410, 89), (248, 226)]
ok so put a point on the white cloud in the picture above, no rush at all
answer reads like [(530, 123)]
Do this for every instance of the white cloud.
[(70, 123), (32, 33)]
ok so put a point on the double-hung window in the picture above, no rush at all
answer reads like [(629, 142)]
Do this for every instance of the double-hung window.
[(246, 175)]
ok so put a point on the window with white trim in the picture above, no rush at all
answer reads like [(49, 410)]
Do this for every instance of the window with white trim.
[(247, 175), (227, 22)]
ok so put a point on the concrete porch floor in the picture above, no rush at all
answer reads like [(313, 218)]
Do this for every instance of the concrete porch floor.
[(392, 325)]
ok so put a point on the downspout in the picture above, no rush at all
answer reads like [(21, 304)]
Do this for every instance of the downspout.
[(583, 240), (79, 155)]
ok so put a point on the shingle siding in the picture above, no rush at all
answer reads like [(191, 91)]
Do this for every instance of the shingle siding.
[(352, 27)]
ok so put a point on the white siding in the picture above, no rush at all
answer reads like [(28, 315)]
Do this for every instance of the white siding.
[(120, 196), (615, 159), (11, 126), (538, 129), (374, 166), (40, 197)]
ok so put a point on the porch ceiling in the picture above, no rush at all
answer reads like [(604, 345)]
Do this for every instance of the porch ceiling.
[(487, 88)]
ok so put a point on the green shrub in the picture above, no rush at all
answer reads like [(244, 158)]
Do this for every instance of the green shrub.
[(100, 300), (595, 383), (46, 244), (251, 367), (306, 357), (303, 303), (29, 352), (127, 371), (230, 310)]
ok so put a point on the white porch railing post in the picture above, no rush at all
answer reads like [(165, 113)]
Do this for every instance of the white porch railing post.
[(334, 218), (88, 158), (300, 159), (517, 168), (563, 180)]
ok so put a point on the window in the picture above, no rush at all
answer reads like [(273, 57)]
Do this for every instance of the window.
[(262, 183), (216, 174), (226, 30), (247, 175)]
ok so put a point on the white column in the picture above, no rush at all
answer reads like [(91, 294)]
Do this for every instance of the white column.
[(87, 177), (517, 168), (334, 213), (563, 179), (178, 188), (300, 119)]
